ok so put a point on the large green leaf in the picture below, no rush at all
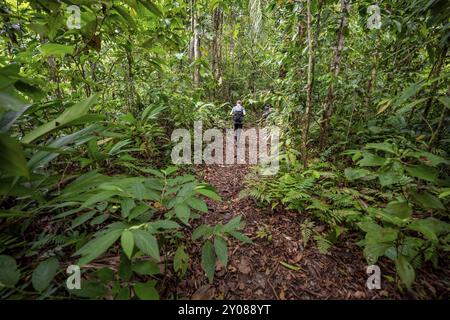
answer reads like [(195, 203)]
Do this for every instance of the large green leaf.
[(221, 248), (197, 204), (202, 231), (9, 274), (44, 274), (10, 117), (429, 158), (180, 261), (384, 146), (127, 241), (208, 193), (427, 200), (405, 271), (123, 12), (399, 209), (355, 173), (146, 291), (12, 159), (151, 7), (54, 49), (182, 212), (71, 114), (145, 268), (233, 224), (430, 227), (371, 160), (147, 243), (10, 100), (422, 172), (208, 260), (390, 174), (97, 246)]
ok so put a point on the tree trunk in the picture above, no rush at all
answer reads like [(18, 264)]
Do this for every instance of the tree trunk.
[(309, 88), (195, 44), (217, 48), (334, 69)]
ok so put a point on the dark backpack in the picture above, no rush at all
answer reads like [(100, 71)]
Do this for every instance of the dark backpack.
[(238, 116)]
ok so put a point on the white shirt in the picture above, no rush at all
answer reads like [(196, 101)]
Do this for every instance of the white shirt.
[(237, 108)]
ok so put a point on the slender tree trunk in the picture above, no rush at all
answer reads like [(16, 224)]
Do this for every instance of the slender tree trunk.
[(309, 89), (195, 44), (334, 68), (217, 48)]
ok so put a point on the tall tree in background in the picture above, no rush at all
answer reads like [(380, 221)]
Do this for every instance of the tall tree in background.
[(334, 69), (217, 21), (309, 88), (195, 44)]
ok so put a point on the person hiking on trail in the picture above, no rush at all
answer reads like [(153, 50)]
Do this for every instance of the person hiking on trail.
[(238, 113)]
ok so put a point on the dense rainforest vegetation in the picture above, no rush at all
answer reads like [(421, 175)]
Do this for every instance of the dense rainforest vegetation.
[(91, 91)]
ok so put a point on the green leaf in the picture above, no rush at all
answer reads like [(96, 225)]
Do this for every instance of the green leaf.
[(197, 204), (182, 212), (82, 219), (71, 114), (123, 12), (221, 248), (429, 158), (97, 246), (151, 7), (12, 159), (445, 101), (9, 274), (98, 197), (409, 92), (384, 146), (430, 227), (164, 224), (181, 261), (58, 50), (127, 241), (104, 274), (405, 271), (233, 224), (427, 200), (147, 243), (399, 209), (146, 291), (123, 294), (354, 174), (10, 100), (202, 231), (241, 237), (422, 172), (44, 273), (126, 205), (391, 174), (208, 193), (445, 193), (125, 269), (371, 160), (146, 268), (208, 260), (90, 289)]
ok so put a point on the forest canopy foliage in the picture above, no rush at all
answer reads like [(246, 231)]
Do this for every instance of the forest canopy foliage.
[(90, 92)]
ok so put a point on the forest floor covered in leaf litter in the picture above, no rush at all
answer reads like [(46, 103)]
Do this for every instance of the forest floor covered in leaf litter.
[(278, 265)]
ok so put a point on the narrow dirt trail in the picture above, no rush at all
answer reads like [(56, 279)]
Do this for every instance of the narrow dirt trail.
[(255, 271)]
